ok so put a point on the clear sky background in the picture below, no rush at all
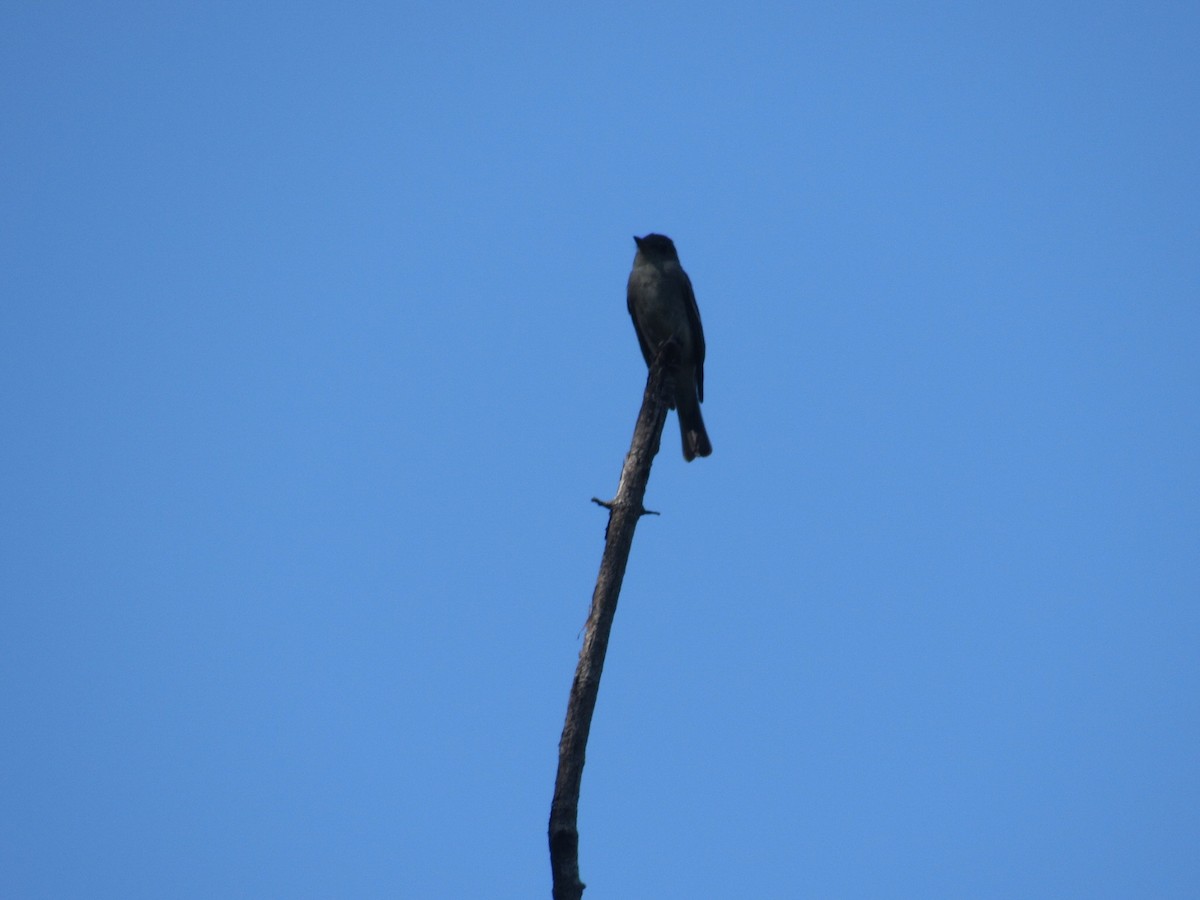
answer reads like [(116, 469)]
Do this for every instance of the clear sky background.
[(314, 351)]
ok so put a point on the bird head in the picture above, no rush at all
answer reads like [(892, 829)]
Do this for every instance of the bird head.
[(656, 246)]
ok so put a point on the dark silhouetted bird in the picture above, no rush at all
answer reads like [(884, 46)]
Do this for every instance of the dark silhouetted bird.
[(663, 306)]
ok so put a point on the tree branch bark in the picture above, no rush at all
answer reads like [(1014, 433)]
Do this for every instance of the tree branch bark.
[(624, 512)]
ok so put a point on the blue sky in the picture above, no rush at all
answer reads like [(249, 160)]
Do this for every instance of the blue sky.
[(315, 349)]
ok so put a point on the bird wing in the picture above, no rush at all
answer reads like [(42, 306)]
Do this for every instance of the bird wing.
[(693, 316)]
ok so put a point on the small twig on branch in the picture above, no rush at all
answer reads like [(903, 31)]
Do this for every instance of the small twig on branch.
[(624, 511), (608, 504)]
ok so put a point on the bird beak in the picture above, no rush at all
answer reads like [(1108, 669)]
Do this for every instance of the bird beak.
[(637, 240)]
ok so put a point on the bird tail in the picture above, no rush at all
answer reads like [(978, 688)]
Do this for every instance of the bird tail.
[(691, 426)]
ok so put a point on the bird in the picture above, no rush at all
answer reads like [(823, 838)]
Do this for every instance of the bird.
[(663, 307)]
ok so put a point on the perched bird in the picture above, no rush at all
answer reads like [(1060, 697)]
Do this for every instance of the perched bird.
[(663, 306)]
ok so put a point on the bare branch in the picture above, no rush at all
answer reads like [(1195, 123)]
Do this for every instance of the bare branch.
[(624, 511)]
